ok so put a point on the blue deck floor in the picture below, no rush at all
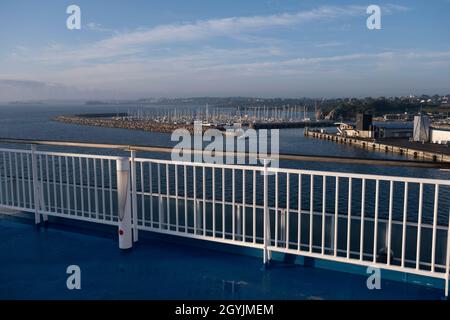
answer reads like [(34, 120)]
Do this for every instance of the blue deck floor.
[(33, 264)]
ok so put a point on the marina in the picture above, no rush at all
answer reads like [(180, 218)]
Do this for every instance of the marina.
[(166, 121)]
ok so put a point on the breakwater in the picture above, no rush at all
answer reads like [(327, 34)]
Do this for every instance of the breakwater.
[(131, 124), (399, 146)]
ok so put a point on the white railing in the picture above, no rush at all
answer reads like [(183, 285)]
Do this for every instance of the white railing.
[(394, 223)]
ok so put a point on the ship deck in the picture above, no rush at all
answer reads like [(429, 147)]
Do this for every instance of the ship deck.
[(33, 264)]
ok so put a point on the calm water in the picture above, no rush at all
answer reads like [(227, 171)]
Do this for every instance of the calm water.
[(35, 122)]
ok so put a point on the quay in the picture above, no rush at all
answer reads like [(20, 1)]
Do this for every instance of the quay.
[(287, 124), (423, 151)]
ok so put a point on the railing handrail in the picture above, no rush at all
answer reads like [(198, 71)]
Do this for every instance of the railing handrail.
[(281, 156)]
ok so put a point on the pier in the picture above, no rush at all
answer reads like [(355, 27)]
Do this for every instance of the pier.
[(291, 124), (426, 151)]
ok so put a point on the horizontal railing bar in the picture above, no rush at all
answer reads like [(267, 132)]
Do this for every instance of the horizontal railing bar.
[(360, 176), (440, 275), (285, 156), (297, 171), (66, 215)]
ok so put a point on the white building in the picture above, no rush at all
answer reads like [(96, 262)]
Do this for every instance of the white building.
[(440, 135)]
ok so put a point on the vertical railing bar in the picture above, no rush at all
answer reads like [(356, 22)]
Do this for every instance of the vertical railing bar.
[(214, 201), (299, 219), (159, 196), (233, 204), (349, 216), (36, 197), (54, 184), (389, 227), (288, 208), (435, 217), (88, 186), (75, 198), (47, 179), (254, 206), (276, 209), (81, 186), (4, 186), (23, 180), (204, 201), (19, 198), (1, 188), (185, 201), (29, 181), (194, 176), (95, 189), (168, 196), (12, 180), (69, 206), (141, 167), (405, 219), (243, 205), (5, 170), (176, 200), (419, 227), (133, 182), (375, 221), (110, 189), (266, 216), (336, 217), (324, 191), (102, 172), (447, 262), (363, 209), (61, 192), (311, 219), (223, 203), (41, 182), (151, 193)]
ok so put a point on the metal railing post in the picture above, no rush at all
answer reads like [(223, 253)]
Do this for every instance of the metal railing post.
[(134, 196), (447, 262), (124, 203), (266, 254)]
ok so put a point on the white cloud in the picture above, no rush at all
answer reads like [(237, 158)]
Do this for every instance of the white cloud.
[(97, 27), (131, 43)]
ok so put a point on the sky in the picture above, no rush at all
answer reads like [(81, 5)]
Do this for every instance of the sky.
[(259, 48)]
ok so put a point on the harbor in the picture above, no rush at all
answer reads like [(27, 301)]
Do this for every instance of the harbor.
[(166, 121)]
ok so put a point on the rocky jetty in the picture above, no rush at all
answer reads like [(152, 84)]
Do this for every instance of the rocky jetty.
[(143, 125)]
